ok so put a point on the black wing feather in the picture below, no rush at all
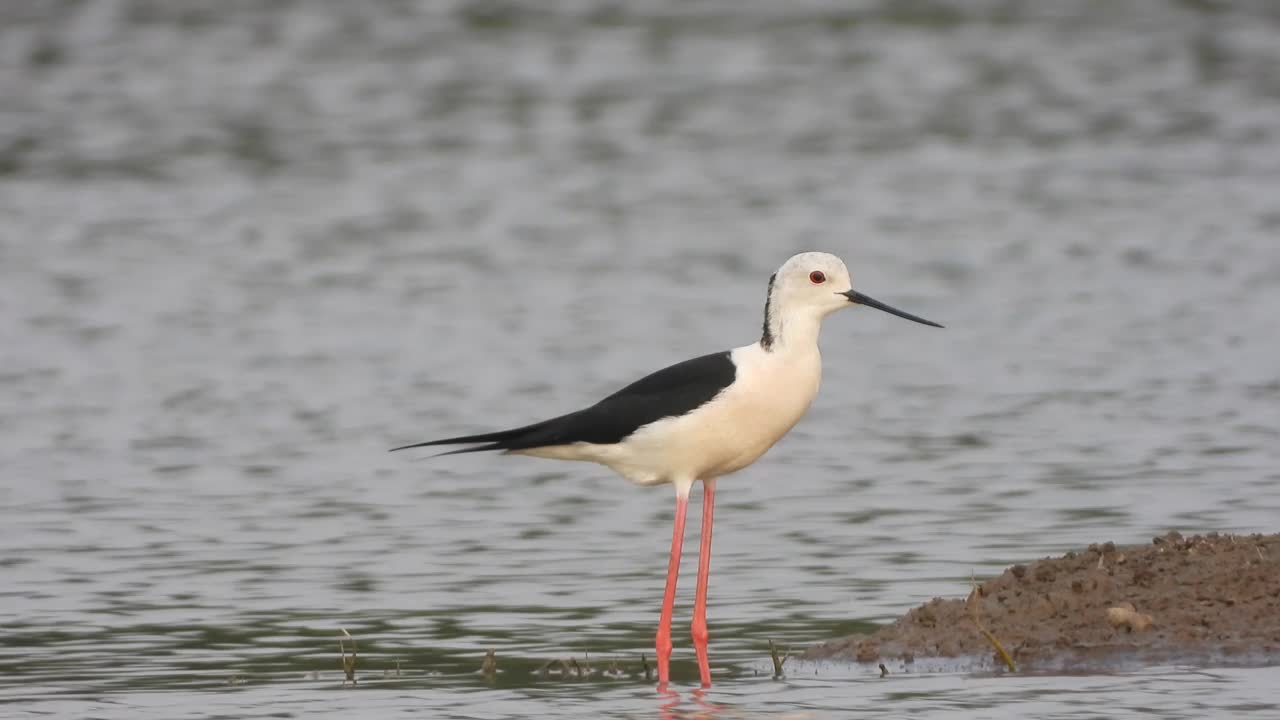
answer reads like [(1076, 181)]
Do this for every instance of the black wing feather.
[(671, 391)]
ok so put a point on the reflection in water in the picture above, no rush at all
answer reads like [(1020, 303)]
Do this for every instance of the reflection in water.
[(675, 704), (247, 248)]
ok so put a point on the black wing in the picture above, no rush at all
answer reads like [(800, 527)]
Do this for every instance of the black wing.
[(671, 391)]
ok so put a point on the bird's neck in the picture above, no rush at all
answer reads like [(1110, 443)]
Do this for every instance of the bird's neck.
[(788, 331)]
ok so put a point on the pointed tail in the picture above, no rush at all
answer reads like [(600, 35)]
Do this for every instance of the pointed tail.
[(501, 440)]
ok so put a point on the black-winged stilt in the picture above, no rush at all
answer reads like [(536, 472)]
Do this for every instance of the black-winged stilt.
[(702, 418)]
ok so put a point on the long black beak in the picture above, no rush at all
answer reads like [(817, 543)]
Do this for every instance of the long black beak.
[(857, 297)]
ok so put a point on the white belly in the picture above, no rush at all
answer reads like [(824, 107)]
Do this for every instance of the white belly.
[(769, 395)]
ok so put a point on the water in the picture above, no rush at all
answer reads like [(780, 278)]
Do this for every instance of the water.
[(247, 247)]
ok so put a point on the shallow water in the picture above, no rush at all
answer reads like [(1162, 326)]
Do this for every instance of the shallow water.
[(248, 247)]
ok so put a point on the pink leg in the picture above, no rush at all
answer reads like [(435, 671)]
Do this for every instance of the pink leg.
[(704, 569), (663, 642)]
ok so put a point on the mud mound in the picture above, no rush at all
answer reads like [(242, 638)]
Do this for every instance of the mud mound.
[(1209, 598)]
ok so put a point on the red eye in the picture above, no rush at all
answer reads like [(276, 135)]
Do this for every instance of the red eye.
[(817, 277)]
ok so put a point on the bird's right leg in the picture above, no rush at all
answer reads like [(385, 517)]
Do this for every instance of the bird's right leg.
[(663, 642)]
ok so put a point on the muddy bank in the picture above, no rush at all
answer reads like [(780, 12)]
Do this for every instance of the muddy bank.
[(1212, 598)]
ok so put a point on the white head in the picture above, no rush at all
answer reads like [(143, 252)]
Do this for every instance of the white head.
[(807, 288)]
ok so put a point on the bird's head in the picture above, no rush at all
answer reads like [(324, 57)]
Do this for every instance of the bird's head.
[(814, 285)]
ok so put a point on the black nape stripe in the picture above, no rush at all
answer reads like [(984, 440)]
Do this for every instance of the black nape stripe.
[(766, 339)]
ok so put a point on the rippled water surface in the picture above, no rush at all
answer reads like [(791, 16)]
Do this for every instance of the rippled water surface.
[(247, 247)]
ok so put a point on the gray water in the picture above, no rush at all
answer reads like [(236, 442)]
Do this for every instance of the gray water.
[(247, 247)]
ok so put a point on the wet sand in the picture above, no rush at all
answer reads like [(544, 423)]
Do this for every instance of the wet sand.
[(1202, 599)]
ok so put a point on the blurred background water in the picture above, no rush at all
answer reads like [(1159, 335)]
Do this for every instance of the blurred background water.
[(248, 246)]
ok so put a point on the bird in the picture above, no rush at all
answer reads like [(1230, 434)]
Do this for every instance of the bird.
[(701, 419)]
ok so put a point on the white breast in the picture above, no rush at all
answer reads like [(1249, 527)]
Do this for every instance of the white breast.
[(770, 393)]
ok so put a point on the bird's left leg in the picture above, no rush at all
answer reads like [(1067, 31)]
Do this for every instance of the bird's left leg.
[(663, 642), (704, 567)]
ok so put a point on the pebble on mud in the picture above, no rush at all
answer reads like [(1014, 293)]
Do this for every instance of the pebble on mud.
[(1126, 616)]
